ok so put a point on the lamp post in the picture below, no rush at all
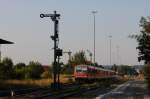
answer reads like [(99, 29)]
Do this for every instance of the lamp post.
[(110, 47), (90, 54), (117, 47), (94, 12)]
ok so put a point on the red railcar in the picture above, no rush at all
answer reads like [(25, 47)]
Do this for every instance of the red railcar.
[(88, 72)]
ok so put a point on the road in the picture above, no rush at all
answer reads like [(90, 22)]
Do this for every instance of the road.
[(133, 89)]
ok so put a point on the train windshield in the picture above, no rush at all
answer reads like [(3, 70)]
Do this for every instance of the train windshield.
[(81, 69)]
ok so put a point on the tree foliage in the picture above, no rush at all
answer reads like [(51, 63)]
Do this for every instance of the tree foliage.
[(78, 58), (144, 45), (124, 70), (6, 68), (2, 71), (67, 69), (147, 73), (143, 40), (114, 68), (34, 70), (46, 74), (20, 65), (20, 71)]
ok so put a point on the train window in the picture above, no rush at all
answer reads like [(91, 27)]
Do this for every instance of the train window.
[(84, 71), (81, 70), (78, 70), (91, 71)]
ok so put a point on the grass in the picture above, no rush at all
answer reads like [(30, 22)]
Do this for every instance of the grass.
[(14, 84), (17, 84)]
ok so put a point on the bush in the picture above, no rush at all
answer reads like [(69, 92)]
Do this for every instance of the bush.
[(34, 70), (46, 74), (67, 69), (6, 69), (19, 71), (147, 74)]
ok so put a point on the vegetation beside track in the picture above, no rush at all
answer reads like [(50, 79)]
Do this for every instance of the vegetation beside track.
[(30, 83), (70, 88)]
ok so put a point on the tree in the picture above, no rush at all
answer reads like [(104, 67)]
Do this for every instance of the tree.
[(34, 70), (46, 74), (19, 70), (2, 75), (19, 65), (7, 68), (143, 40), (67, 69), (78, 58), (114, 68), (147, 73), (123, 69)]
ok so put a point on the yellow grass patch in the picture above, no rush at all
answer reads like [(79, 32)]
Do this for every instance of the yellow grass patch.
[(41, 82), (30, 82)]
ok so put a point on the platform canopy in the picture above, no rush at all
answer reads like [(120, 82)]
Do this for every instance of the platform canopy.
[(5, 42)]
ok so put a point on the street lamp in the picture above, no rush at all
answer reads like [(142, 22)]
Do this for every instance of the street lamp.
[(94, 12), (110, 47)]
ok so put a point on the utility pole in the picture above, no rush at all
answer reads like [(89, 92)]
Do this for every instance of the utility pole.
[(57, 52), (94, 12)]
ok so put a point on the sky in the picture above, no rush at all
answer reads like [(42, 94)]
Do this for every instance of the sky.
[(20, 22)]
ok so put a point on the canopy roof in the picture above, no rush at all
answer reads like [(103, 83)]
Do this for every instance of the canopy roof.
[(5, 42)]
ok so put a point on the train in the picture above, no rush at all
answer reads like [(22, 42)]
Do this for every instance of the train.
[(92, 73)]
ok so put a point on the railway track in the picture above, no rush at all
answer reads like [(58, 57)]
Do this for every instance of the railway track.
[(71, 91), (33, 92), (17, 92), (54, 94), (67, 91), (47, 93), (26, 91), (80, 93)]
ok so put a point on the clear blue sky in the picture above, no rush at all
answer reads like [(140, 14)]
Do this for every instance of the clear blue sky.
[(20, 22)]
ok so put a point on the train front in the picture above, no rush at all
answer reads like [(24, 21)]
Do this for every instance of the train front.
[(80, 72)]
